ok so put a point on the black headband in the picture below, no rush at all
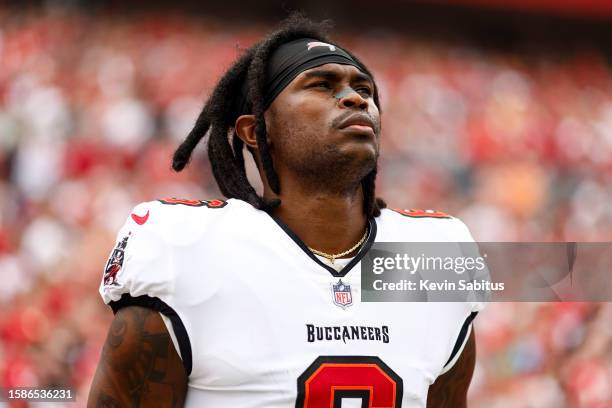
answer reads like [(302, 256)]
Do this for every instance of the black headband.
[(288, 61)]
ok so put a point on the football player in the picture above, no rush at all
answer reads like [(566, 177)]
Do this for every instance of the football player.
[(254, 301)]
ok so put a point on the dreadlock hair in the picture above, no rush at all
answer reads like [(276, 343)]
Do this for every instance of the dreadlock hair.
[(219, 116)]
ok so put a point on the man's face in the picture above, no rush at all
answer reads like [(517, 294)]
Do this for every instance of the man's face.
[(325, 124)]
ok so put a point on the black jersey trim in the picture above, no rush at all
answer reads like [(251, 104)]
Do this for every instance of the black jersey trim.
[(461, 338), (341, 273), (160, 306)]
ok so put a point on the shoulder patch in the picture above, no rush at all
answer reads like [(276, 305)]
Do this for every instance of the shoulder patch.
[(194, 203), (115, 262), (414, 213)]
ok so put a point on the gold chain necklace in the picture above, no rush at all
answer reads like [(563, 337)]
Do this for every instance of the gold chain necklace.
[(333, 257)]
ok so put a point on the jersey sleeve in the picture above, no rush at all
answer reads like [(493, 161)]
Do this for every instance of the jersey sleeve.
[(461, 234), (470, 248), (139, 272), (140, 262), (462, 339)]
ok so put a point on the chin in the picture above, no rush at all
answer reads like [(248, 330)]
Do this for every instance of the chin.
[(358, 162), (361, 152), (353, 159), (350, 139)]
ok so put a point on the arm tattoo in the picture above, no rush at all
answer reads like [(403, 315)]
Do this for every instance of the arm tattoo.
[(117, 331), (106, 401), (139, 366), (450, 389)]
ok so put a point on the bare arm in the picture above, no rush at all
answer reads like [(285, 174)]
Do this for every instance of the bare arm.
[(450, 389), (139, 366)]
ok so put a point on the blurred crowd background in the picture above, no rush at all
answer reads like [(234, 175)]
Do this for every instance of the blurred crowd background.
[(518, 145)]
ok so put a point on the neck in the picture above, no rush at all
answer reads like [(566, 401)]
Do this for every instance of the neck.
[(323, 220)]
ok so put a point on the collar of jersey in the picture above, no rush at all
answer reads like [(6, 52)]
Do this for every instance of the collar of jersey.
[(342, 272)]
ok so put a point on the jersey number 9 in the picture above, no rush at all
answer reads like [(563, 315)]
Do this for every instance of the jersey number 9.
[(329, 379)]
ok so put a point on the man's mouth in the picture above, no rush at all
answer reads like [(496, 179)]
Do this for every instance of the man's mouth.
[(358, 122), (360, 129)]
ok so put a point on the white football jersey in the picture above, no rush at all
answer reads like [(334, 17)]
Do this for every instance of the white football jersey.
[(262, 322)]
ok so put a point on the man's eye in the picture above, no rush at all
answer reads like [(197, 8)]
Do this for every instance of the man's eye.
[(322, 84), (364, 91)]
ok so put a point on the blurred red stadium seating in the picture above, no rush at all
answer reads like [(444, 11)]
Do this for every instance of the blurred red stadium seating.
[(519, 147)]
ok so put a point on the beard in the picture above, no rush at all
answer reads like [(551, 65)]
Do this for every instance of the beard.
[(323, 163), (329, 169)]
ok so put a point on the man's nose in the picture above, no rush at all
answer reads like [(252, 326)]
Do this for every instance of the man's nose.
[(349, 98)]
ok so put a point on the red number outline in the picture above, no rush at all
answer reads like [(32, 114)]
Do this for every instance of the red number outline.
[(337, 392), (421, 213), (194, 203)]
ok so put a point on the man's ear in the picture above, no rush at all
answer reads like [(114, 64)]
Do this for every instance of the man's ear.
[(245, 129)]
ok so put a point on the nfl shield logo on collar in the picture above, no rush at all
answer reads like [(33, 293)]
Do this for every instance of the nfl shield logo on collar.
[(342, 294)]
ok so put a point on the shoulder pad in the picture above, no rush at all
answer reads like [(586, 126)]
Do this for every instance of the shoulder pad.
[(177, 221)]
